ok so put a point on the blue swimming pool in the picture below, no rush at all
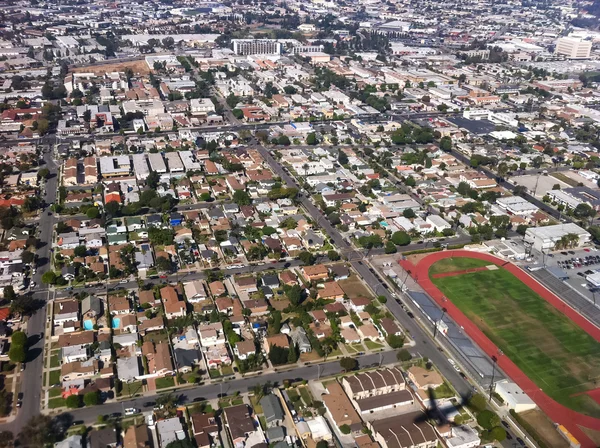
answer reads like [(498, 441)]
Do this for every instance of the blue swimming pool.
[(88, 325), (116, 322)]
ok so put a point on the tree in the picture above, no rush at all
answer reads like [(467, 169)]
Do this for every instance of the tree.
[(26, 257), (268, 230), (487, 419), (80, 251), (307, 258), (168, 42), (92, 212), (477, 402), (498, 433), (43, 173), (390, 248), (583, 211), (284, 140), (410, 181), (238, 113), (278, 355), (40, 430), (342, 158), (522, 228), (401, 238), (409, 213), (91, 398), (240, 197), (9, 292), (395, 341), (185, 443), (403, 355), (348, 364), (311, 139), (345, 429), (333, 255), (49, 278), (322, 444), (112, 208), (163, 264), (73, 401), (18, 338), (17, 353), (292, 355), (153, 179)]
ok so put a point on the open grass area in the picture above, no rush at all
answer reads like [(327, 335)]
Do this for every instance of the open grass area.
[(549, 348), (58, 402), (165, 382), (54, 392), (354, 287), (372, 345), (136, 387), (54, 377), (456, 264), (54, 359)]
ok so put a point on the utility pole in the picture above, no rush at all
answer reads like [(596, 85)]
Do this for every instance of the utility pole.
[(318, 371)]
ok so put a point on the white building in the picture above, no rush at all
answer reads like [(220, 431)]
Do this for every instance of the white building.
[(516, 205), (514, 397), (256, 46), (157, 163), (574, 48), (463, 437), (545, 238), (201, 106)]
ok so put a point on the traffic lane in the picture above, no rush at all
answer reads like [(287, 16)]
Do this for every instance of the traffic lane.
[(191, 276), (212, 391)]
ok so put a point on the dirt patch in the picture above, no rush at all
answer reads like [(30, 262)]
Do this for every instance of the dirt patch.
[(545, 428), (310, 356), (415, 258), (139, 68), (354, 287), (280, 304)]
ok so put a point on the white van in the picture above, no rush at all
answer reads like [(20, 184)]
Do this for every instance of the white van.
[(131, 411)]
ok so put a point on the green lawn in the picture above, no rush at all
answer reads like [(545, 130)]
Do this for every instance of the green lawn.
[(59, 402), (372, 345), (54, 377), (549, 348), (306, 396), (164, 382), (136, 387), (456, 264), (54, 392), (55, 360)]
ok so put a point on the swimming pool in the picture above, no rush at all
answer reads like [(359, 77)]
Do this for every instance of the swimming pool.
[(88, 325), (116, 322)]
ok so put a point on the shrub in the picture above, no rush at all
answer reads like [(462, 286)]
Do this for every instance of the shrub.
[(345, 429)]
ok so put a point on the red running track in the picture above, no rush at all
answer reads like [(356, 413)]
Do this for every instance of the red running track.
[(558, 413)]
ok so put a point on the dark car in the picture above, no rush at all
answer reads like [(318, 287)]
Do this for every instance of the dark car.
[(508, 436), (115, 414), (505, 424), (149, 404), (520, 441), (411, 315), (49, 213)]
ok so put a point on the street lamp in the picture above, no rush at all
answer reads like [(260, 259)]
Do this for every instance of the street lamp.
[(438, 322)]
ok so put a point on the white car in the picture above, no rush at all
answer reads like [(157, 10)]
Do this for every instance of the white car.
[(456, 368), (131, 411), (451, 361), (150, 420)]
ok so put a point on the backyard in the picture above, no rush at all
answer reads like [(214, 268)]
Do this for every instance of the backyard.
[(549, 348)]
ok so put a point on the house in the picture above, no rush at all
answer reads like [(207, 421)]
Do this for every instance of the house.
[(339, 407), (243, 349), (279, 340), (102, 438), (205, 429), (247, 284), (272, 410), (118, 305), (339, 271), (240, 424), (271, 281), (158, 357), (316, 272), (300, 339), (173, 306), (194, 291), (331, 291), (404, 431), (155, 324), (216, 356), (79, 370), (369, 331), (170, 430), (288, 278), (128, 369), (136, 437), (66, 310), (373, 383), (390, 327), (425, 379), (147, 296), (217, 288), (75, 441), (211, 334), (358, 304), (350, 336)]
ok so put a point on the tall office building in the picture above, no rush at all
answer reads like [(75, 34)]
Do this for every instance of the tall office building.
[(573, 48), (246, 47)]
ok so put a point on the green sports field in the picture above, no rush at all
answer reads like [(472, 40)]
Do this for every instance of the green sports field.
[(549, 348)]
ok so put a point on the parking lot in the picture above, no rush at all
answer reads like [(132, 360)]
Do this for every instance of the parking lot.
[(569, 269)]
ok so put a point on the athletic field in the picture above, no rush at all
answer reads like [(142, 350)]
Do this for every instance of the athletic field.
[(555, 353)]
